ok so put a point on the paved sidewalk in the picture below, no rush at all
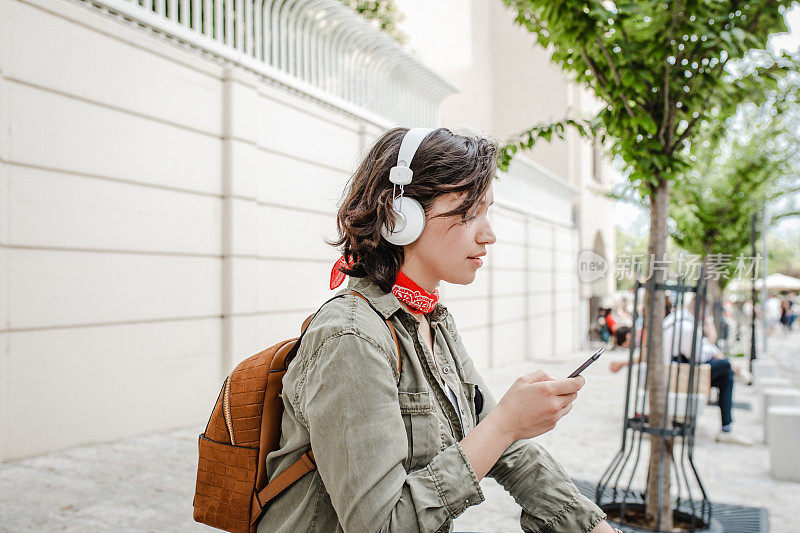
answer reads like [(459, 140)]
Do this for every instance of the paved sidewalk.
[(587, 439), (146, 483)]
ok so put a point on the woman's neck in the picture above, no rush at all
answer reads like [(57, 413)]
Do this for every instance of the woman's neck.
[(420, 276)]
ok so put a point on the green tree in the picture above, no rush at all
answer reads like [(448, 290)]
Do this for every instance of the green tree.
[(784, 254), (660, 68), (740, 164), (383, 13)]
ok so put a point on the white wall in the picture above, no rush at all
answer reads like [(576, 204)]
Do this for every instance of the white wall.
[(145, 196), (163, 218)]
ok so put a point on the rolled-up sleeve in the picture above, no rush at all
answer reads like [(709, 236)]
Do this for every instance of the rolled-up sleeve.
[(549, 499), (349, 402)]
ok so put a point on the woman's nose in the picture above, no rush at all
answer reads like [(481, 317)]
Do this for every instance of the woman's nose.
[(488, 236)]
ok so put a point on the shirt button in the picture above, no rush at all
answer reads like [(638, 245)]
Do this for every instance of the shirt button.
[(446, 370)]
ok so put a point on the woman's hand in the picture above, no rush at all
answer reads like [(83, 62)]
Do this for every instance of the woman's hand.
[(536, 402), (616, 366), (605, 527)]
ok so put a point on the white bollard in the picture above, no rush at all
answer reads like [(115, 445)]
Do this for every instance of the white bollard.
[(771, 383), (764, 368), (776, 397), (784, 442)]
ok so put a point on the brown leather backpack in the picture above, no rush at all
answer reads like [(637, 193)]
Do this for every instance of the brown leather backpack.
[(232, 492)]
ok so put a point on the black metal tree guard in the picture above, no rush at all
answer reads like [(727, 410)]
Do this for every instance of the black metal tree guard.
[(613, 493)]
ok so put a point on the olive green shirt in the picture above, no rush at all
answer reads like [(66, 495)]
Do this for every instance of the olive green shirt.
[(386, 444)]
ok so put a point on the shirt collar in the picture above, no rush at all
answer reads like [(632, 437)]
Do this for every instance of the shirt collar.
[(386, 302)]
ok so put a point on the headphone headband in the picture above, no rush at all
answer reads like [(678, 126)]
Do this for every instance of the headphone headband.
[(402, 174)]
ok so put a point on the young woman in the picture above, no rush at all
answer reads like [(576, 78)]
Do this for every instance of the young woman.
[(401, 440)]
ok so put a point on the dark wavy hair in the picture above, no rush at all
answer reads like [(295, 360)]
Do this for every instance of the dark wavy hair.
[(444, 163)]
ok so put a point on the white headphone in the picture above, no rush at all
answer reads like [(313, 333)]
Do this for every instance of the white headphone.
[(411, 216)]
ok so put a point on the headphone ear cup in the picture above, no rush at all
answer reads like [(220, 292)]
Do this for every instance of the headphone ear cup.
[(415, 222)]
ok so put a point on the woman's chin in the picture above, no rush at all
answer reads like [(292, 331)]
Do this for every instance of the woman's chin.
[(464, 278)]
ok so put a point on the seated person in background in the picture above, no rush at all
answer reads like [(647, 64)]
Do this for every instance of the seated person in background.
[(602, 326), (606, 325), (611, 322), (722, 372)]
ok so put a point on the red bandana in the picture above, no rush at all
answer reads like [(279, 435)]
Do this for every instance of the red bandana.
[(337, 276), (414, 296)]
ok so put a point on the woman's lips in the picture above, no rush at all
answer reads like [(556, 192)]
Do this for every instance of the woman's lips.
[(477, 261)]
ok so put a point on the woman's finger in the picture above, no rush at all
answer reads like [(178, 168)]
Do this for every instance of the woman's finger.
[(564, 410), (567, 398), (568, 385), (536, 376)]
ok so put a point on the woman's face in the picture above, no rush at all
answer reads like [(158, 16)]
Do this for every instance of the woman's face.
[(442, 251)]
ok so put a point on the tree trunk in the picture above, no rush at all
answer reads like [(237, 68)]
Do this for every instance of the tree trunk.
[(659, 499), (753, 294), (714, 298)]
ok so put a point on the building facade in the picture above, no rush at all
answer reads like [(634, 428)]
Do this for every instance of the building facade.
[(169, 172)]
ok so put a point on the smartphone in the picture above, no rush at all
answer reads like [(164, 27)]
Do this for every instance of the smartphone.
[(594, 357)]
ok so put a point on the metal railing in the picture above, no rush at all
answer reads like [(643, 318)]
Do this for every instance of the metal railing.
[(321, 48), (614, 492)]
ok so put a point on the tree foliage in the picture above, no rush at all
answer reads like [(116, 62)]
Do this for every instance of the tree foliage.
[(739, 165), (383, 13), (660, 69)]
